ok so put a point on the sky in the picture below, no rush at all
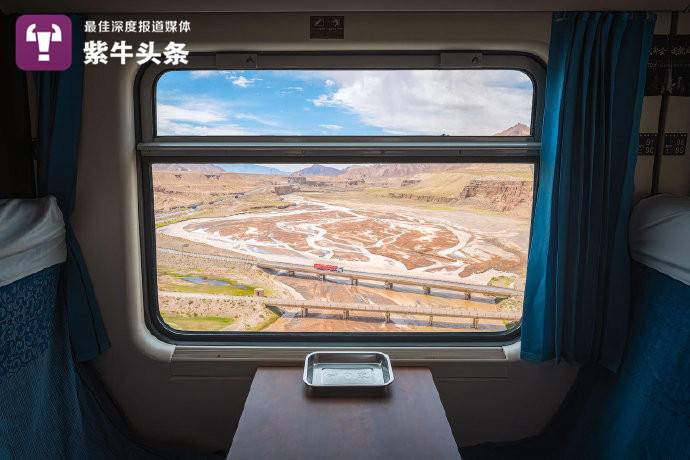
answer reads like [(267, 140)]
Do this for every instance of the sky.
[(342, 102), (292, 167)]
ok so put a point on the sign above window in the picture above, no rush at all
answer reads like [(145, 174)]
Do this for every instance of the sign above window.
[(328, 27)]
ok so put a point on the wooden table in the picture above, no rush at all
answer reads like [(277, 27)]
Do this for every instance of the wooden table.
[(283, 421)]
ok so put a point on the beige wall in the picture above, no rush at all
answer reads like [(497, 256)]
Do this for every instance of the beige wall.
[(485, 400)]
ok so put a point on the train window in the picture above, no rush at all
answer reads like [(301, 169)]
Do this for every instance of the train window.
[(339, 204)]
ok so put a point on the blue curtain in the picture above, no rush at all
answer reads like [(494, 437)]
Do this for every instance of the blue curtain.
[(60, 97), (577, 294)]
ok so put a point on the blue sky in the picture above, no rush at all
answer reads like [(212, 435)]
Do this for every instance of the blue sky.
[(286, 167), (371, 102)]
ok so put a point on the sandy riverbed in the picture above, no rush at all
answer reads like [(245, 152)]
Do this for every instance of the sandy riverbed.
[(456, 246)]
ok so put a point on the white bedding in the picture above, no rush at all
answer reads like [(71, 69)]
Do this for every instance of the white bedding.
[(32, 237), (660, 235)]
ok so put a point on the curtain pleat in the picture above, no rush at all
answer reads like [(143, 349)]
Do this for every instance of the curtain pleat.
[(577, 294), (60, 99)]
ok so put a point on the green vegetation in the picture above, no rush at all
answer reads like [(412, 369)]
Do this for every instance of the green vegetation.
[(272, 318), (510, 304), (260, 201), (196, 323), (172, 281), (482, 211), (182, 218), (427, 206), (501, 281), (510, 325)]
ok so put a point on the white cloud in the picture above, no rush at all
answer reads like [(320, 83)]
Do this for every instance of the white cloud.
[(172, 128), (242, 81), (196, 113), (189, 116), (256, 118), (325, 100), (290, 90), (432, 102), (200, 118), (203, 73), (331, 127), (329, 82)]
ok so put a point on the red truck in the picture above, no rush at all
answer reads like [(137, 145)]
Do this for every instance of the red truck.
[(330, 268)]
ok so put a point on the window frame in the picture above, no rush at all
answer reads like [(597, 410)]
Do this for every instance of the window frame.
[(151, 148)]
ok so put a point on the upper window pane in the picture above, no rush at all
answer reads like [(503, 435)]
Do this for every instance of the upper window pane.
[(478, 102)]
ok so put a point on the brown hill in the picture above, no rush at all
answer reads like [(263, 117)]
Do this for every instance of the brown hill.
[(318, 170), (519, 129), (396, 170)]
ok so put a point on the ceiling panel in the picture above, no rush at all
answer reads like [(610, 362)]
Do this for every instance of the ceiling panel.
[(140, 6)]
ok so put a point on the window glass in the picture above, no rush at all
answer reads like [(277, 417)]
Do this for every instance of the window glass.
[(478, 102), (333, 247)]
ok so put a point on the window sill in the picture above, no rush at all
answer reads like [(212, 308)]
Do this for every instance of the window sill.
[(240, 361)]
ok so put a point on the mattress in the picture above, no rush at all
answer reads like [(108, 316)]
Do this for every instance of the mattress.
[(660, 235), (32, 237)]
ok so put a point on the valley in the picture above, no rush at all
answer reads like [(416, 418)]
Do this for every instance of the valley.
[(466, 223)]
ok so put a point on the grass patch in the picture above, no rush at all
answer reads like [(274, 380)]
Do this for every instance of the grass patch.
[(196, 323), (262, 201), (501, 281), (175, 283), (430, 206), (510, 304), (170, 272), (272, 318), (510, 325), (182, 218), (207, 289)]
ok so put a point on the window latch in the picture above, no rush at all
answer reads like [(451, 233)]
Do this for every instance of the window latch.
[(461, 60), (236, 61)]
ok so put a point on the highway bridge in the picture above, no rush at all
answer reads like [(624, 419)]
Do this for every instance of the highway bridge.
[(430, 311), (389, 280)]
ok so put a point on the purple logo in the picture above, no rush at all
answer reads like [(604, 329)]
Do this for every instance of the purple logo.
[(44, 42)]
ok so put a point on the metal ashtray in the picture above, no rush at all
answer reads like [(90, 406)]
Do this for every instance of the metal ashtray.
[(346, 369)]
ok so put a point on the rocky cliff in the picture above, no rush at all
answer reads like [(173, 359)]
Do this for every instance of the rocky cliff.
[(495, 195), (498, 195)]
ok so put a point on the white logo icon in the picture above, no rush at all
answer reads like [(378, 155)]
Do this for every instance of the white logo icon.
[(43, 39)]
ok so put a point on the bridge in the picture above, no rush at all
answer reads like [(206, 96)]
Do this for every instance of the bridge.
[(430, 311), (389, 280), (354, 276)]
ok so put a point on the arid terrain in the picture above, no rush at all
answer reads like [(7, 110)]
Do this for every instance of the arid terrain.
[(227, 241)]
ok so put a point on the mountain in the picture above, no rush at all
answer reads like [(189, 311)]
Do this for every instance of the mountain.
[(318, 170), (248, 168), (396, 169), (242, 168), (196, 167), (519, 129)]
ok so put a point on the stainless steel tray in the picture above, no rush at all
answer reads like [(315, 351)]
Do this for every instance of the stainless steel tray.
[(346, 369)]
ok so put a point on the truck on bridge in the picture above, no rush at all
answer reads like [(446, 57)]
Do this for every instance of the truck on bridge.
[(328, 267)]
